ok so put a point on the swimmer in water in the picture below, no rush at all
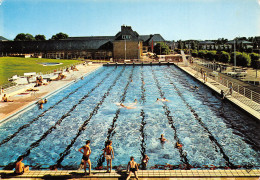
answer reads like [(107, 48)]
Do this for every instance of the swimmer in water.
[(164, 99), (162, 138), (127, 107), (135, 101), (194, 87), (178, 145), (41, 102)]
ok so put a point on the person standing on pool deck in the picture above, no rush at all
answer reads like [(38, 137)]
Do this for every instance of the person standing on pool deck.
[(86, 153), (132, 168), (109, 154)]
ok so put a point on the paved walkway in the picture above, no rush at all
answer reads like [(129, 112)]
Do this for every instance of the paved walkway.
[(143, 174), (250, 76), (23, 98), (248, 105)]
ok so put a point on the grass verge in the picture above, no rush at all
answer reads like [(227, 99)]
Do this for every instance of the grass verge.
[(10, 66)]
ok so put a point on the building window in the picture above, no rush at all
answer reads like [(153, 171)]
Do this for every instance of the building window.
[(126, 36)]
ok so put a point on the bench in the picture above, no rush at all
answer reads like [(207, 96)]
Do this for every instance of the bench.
[(29, 74)]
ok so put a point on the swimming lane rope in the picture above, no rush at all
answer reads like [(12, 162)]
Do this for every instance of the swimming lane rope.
[(167, 112), (82, 128), (44, 112), (111, 131), (35, 144), (196, 116)]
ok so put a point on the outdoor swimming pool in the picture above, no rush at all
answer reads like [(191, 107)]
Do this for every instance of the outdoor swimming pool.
[(51, 64), (211, 131)]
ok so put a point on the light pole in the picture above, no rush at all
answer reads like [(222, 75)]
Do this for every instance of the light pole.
[(257, 62), (125, 49), (235, 61)]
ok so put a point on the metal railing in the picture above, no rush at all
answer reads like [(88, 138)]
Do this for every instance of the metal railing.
[(241, 93)]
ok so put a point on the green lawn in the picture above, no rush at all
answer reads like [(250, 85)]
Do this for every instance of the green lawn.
[(10, 66)]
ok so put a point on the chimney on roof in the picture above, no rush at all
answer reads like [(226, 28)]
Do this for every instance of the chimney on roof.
[(124, 28)]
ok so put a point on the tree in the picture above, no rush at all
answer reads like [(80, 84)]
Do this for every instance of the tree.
[(224, 57), (180, 44), (255, 60), (59, 36), (221, 41), (202, 53), (211, 55), (243, 59), (24, 37), (161, 49), (194, 53), (40, 37), (194, 45)]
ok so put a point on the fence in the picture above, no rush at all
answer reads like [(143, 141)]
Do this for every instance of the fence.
[(13, 86), (239, 92)]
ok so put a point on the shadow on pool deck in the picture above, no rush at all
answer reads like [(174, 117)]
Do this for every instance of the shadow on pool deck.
[(148, 174)]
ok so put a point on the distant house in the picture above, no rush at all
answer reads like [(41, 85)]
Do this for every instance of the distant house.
[(256, 42), (206, 45), (240, 43), (149, 41), (3, 38), (126, 44)]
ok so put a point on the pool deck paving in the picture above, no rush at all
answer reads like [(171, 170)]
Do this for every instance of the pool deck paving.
[(29, 98), (142, 174)]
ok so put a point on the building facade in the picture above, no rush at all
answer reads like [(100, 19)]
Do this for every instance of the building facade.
[(126, 44)]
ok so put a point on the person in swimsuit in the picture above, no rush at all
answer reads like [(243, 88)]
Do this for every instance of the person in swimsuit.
[(127, 107), (41, 102), (132, 168), (164, 99), (109, 154), (178, 145), (145, 162), (4, 98), (19, 166), (86, 153), (162, 138)]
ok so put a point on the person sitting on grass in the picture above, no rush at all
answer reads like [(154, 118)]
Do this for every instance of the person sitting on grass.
[(4, 98), (19, 166)]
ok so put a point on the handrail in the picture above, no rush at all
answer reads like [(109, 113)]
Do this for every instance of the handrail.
[(239, 90)]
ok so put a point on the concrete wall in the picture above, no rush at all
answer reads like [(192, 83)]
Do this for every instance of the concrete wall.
[(132, 50)]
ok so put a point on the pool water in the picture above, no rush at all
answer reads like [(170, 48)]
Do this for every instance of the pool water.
[(211, 131), (50, 64)]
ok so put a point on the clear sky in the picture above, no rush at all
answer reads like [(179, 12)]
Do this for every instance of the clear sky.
[(173, 19)]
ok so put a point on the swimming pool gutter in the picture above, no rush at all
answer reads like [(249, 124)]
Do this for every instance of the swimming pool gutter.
[(33, 104), (251, 112)]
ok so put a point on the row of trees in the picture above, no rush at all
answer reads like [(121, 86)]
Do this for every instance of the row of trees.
[(242, 58), (39, 37)]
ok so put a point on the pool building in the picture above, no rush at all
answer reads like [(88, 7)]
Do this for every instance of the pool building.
[(126, 44)]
